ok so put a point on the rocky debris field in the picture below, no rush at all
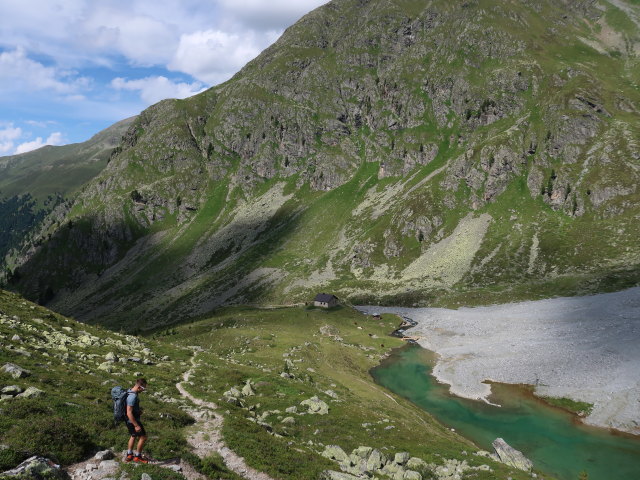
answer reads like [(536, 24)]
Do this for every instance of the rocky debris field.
[(582, 348)]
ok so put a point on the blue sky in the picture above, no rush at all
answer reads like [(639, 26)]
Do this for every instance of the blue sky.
[(69, 68)]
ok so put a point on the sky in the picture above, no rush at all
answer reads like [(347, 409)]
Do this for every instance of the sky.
[(70, 68)]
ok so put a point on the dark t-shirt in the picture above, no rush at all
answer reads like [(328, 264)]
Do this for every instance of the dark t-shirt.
[(133, 401)]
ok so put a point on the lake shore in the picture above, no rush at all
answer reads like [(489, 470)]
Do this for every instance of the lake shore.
[(582, 348)]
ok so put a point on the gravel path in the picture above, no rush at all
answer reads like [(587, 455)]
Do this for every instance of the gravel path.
[(584, 348), (207, 432)]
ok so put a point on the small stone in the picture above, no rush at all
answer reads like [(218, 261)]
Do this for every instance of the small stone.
[(289, 421), (293, 409), (332, 394), (146, 476), (16, 338), (111, 357), (175, 468)]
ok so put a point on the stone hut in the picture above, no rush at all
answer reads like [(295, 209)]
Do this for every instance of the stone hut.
[(325, 300)]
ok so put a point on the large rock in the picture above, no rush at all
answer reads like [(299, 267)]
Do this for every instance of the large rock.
[(363, 452), (401, 458), (36, 468), (11, 390), (415, 463), (31, 392), (510, 456), (334, 452), (247, 390), (15, 371), (315, 406), (376, 461)]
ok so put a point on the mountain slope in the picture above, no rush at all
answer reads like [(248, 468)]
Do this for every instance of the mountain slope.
[(386, 150), (33, 184)]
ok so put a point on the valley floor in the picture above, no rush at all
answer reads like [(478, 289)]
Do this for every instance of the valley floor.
[(582, 348)]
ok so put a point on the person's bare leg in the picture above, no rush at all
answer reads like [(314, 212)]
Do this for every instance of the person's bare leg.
[(131, 442), (141, 443)]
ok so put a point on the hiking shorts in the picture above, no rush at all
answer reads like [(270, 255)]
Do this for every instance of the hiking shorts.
[(132, 430)]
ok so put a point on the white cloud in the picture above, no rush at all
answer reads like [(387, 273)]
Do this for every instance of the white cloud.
[(212, 56), (19, 72), (269, 15), (7, 136), (154, 89), (54, 139)]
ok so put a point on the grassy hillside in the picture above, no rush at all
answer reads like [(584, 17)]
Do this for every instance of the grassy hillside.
[(323, 354), (387, 151), (33, 184)]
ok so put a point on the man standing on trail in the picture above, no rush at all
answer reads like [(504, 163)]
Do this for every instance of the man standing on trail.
[(136, 429)]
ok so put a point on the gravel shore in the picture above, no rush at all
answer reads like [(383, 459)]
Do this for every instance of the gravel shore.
[(583, 348)]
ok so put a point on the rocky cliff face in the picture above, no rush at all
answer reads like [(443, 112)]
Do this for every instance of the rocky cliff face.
[(383, 149)]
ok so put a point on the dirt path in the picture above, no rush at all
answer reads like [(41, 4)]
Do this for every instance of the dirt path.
[(207, 432), (205, 438)]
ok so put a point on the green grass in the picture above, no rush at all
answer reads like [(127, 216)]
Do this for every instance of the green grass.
[(579, 408)]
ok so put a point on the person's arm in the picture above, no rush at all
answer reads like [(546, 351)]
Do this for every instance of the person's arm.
[(132, 418)]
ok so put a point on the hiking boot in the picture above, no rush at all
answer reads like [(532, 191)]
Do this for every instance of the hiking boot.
[(129, 457), (140, 459)]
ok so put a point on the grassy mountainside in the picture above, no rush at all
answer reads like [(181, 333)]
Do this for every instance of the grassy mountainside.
[(286, 355), (33, 184), (386, 150)]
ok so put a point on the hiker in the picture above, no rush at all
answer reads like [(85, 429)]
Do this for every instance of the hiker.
[(136, 429)]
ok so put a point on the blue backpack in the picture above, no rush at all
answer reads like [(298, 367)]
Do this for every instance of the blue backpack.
[(119, 396)]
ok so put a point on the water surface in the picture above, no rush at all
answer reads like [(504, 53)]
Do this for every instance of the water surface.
[(553, 439)]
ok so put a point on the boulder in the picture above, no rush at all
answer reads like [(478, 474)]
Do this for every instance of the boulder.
[(415, 463), (15, 371), (11, 390), (31, 392), (363, 452), (510, 456), (146, 476), (293, 409), (401, 458), (289, 421), (106, 366), (108, 468), (111, 357), (376, 460), (104, 455), (247, 390), (37, 468), (315, 406), (334, 452), (5, 398), (16, 338)]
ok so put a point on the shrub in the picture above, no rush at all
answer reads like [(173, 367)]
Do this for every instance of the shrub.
[(57, 438), (9, 459)]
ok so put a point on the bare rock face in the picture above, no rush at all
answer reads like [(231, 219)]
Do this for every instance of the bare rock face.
[(510, 456)]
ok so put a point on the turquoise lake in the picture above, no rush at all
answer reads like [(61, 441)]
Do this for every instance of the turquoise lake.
[(555, 440)]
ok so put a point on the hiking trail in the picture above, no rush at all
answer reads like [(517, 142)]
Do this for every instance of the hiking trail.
[(205, 438), (207, 432)]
